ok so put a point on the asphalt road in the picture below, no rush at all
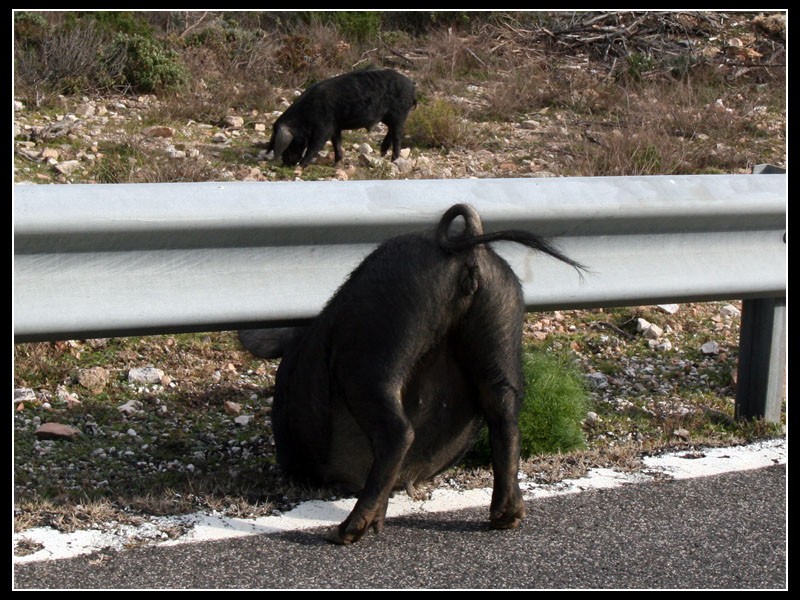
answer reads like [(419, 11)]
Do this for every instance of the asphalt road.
[(724, 531)]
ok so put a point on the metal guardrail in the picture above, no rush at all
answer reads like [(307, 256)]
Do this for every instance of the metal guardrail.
[(131, 259)]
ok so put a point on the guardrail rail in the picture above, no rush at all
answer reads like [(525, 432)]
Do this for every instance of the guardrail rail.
[(135, 259)]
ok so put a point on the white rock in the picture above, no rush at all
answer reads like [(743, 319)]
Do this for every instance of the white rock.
[(369, 161), (405, 152), (597, 380), (711, 347), (653, 332), (64, 395), (364, 148), (729, 310), (424, 165), (648, 330), (145, 375), (131, 407), (670, 309), (24, 395), (219, 138), (660, 345), (85, 110), (243, 420), (233, 121), (48, 153), (173, 152), (68, 167), (682, 433), (404, 166)]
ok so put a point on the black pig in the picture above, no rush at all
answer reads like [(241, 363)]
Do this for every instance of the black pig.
[(392, 382), (350, 101)]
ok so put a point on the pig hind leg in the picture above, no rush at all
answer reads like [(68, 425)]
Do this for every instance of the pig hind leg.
[(378, 409), (491, 349), (393, 136)]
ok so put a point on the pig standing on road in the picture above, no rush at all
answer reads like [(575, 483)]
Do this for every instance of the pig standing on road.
[(392, 382), (350, 101)]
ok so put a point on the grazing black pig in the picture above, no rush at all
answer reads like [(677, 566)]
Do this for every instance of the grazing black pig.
[(350, 101), (391, 383)]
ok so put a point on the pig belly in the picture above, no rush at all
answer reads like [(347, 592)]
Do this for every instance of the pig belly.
[(442, 406)]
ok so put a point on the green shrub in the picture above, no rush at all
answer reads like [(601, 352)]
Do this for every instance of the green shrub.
[(90, 54), (29, 28), (358, 26), (554, 404), (421, 21), (438, 124), (149, 66), (127, 22), (636, 67)]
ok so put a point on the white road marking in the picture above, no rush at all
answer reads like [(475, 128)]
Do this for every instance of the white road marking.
[(316, 513)]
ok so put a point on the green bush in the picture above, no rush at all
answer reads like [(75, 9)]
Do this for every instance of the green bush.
[(87, 53), (30, 28), (149, 66), (421, 21), (437, 124), (127, 22), (358, 26), (554, 404), (636, 66)]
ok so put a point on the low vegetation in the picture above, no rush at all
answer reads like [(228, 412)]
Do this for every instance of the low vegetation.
[(554, 408)]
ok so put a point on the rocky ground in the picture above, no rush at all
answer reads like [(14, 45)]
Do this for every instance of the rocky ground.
[(606, 96), (71, 146), (106, 140)]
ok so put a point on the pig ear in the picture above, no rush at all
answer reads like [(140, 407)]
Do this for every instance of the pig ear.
[(283, 137)]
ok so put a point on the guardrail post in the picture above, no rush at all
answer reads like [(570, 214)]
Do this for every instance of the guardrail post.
[(762, 359), (761, 373)]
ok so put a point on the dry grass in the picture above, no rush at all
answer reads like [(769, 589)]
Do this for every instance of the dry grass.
[(671, 128), (452, 57), (68, 517), (134, 162)]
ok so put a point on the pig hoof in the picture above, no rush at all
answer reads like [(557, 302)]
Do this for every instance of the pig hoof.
[(335, 537), (511, 523), (508, 520), (344, 535)]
